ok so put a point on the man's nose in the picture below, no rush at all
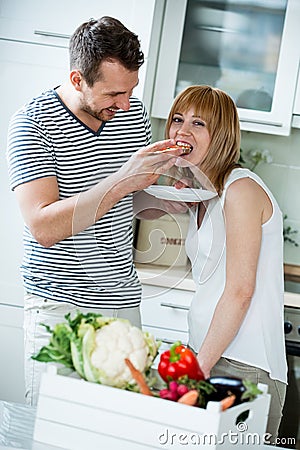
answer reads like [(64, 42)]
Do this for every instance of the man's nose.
[(123, 102)]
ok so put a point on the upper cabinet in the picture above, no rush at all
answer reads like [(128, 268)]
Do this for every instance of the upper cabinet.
[(296, 110), (245, 47), (52, 23)]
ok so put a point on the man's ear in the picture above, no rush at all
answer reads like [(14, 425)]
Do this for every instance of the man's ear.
[(76, 79)]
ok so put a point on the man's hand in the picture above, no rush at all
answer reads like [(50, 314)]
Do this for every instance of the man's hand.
[(147, 165)]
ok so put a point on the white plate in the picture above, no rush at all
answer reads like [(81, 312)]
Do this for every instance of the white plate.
[(180, 195)]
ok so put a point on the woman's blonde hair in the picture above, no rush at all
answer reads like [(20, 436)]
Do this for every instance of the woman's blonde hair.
[(220, 114)]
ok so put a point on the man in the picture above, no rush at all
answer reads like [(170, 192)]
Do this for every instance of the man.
[(76, 154)]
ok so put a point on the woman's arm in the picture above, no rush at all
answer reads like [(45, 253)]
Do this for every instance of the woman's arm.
[(247, 206)]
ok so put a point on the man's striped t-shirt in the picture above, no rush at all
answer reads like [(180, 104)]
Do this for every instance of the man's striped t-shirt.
[(93, 268)]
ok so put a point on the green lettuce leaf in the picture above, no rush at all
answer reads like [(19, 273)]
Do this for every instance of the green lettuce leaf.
[(65, 345), (88, 334), (59, 348)]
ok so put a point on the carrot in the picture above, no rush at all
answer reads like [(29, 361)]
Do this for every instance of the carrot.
[(227, 402), (189, 398), (139, 378)]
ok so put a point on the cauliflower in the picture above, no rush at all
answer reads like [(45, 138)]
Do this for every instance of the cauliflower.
[(114, 343), (96, 347)]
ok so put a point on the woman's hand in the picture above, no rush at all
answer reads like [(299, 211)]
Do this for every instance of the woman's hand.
[(205, 370)]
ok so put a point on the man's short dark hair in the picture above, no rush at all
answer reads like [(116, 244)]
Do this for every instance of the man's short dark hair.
[(104, 39)]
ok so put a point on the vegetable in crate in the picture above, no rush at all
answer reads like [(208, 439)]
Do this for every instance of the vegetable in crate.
[(96, 347), (177, 362), (228, 391), (175, 390), (243, 390)]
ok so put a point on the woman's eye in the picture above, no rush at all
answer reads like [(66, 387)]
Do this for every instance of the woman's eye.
[(176, 119), (199, 123)]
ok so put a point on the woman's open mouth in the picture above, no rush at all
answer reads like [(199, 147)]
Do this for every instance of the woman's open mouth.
[(186, 147)]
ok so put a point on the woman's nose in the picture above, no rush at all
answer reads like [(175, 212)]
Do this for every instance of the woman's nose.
[(184, 129)]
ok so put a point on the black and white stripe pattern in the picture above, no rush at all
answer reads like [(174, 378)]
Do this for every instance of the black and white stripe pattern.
[(93, 268)]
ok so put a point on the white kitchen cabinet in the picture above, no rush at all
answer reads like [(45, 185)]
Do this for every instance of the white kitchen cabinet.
[(51, 24), (297, 99), (27, 70), (164, 314), (296, 111), (12, 385), (246, 48), (163, 307)]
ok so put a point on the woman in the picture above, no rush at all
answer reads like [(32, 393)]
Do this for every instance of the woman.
[(236, 316)]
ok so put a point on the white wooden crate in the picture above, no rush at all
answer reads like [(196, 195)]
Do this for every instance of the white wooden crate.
[(76, 414)]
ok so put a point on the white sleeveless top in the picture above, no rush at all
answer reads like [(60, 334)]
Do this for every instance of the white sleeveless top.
[(260, 340)]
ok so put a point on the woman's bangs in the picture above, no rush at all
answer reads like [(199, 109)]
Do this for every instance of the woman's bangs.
[(201, 103)]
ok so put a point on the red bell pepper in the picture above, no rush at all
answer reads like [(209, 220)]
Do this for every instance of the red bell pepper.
[(177, 362)]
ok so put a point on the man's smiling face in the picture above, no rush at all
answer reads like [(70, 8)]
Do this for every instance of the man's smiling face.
[(109, 94)]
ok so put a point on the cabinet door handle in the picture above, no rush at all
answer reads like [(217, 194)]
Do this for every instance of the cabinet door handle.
[(218, 29), (174, 306), (168, 341), (263, 122), (50, 34)]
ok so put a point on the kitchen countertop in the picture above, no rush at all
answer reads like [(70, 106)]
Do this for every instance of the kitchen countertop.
[(181, 278), (172, 277)]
